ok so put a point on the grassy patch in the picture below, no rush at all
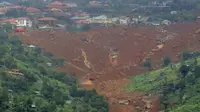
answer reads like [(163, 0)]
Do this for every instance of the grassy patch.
[(153, 80)]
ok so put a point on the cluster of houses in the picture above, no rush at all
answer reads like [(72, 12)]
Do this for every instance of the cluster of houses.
[(57, 14), (35, 18)]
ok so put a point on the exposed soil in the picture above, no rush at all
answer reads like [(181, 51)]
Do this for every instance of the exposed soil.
[(114, 54)]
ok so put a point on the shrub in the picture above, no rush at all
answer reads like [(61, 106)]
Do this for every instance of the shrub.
[(166, 61), (147, 63)]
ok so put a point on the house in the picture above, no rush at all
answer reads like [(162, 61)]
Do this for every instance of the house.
[(71, 4), (18, 22), (12, 21), (59, 5), (23, 22), (173, 12), (81, 22), (6, 3), (102, 19), (2, 6), (124, 20), (165, 22), (3, 9), (115, 20), (47, 21), (55, 3), (33, 11), (19, 29), (95, 3), (79, 17), (15, 7)]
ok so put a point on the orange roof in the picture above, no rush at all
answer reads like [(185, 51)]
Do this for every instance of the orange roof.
[(60, 7), (81, 22), (56, 3), (23, 18), (15, 7), (8, 21), (47, 19), (32, 10)]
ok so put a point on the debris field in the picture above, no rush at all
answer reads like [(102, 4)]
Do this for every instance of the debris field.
[(104, 58)]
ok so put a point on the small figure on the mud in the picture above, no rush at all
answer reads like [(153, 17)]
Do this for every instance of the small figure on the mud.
[(101, 87)]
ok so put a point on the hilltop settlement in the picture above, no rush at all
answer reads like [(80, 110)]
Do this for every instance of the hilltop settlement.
[(69, 15)]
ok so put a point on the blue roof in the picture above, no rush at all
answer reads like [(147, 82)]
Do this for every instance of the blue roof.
[(6, 3)]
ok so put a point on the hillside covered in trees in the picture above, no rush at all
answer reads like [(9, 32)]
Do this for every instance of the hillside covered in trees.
[(176, 84), (29, 82)]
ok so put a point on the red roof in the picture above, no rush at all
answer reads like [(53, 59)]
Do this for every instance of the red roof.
[(8, 21), (81, 22), (76, 13), (15, 7), (19, 29), (47, 10), (32, 10), (23, 18), (66, 7), (60, 7), (56, 3), (59, 14), (84, 14)]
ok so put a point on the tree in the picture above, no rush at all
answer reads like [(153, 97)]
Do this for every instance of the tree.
[(197, 71), (4, 50), (8, 27), (48, 54), (166, 61), (58, 61), (9, 62), (38, 50), (183, 70), (147, 63), (4, 100), (3, 35), (15, 42)]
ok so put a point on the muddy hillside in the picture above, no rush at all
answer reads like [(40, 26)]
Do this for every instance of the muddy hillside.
[(104, 58)]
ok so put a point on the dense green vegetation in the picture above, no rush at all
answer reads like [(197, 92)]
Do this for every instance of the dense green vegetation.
[(178, 84), (29, 83)]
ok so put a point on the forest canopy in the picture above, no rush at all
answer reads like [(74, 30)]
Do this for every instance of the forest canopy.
[(28, 83)]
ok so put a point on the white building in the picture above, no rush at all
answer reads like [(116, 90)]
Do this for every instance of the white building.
[(174, 12), (71, 4), (23, 22), (165, 22), (124, 20)]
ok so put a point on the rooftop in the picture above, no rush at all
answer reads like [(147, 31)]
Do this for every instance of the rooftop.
[(6, 3), (15, 7), (56, 3), (32, 10), (12, 20), (47, 19), (60, 6), (22, 18)]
